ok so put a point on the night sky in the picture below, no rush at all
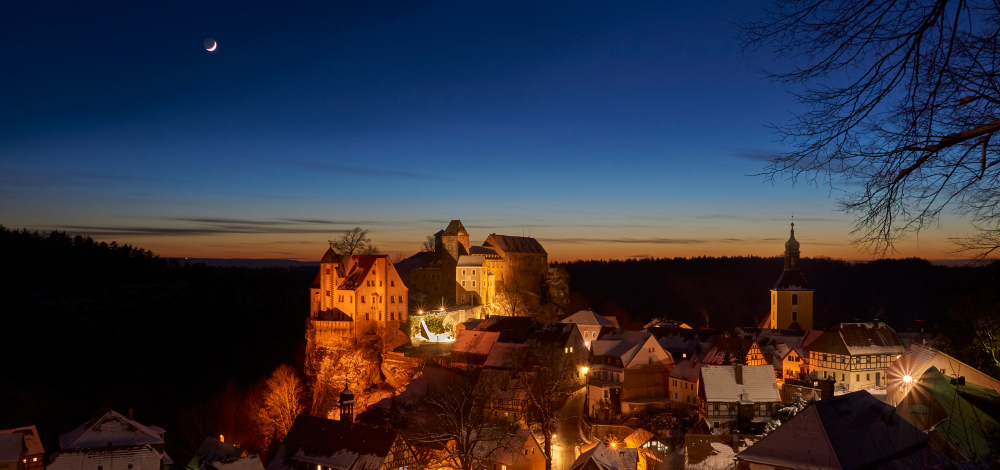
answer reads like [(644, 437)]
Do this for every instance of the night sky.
[(607, 129)]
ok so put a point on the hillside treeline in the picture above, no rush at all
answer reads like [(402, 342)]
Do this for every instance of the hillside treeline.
[(89, 327), (726, 292)]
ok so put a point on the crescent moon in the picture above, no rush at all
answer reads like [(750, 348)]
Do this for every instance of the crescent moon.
[(215, 45)]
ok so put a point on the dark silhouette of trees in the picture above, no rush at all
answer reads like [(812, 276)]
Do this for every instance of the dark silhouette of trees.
[(355, 242), (901, 98)]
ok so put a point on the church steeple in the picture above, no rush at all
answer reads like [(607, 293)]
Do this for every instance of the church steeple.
[(792, 251), (791, 296)]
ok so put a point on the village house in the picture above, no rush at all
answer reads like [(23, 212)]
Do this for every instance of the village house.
[(518, 450), (737, 397), (12, 451), (960, 416), (111, 442), (608, 454), (900, 377), (472, 347), (34, 454), (851, 431), (652, 450), (854, 354), (590, 324), (214, 450), (325, 444), (726, 350), (782, 348), (628, 373), (684, 384)]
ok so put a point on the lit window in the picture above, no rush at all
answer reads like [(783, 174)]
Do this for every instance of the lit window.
[(473, 283), (474, 273), (392, 299), (463, 283)]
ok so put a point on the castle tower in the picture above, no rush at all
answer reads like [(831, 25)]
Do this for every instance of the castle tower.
[(791, 296), (454, 242), (328, 279), (346, 405)]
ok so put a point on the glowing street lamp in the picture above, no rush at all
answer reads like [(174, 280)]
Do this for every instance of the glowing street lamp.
[(907, 379)]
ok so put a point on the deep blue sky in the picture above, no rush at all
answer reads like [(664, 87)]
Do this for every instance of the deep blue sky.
[(610, 129)]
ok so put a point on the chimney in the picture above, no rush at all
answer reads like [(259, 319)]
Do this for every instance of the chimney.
[(739, 374), (736, 440), (131, 415)]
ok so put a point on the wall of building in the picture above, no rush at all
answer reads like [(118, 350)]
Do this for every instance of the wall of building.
[(851, 372), (683, 393), (782, 308)]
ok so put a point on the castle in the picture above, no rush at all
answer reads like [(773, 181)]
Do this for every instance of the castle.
[(456, 273), (351, 297)]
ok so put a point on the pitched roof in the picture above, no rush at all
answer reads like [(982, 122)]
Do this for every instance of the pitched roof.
[(31, 439), (858, 339), (688, 369), (454, 228), (111, 428), (471, 260), (335, 444), (213, 450), (506, 355), (11, 446), (624, 344), (475, 342), (724, 348), (638, 438), (969, 428), (849, 431), (421, 260), (606, 457), (589, 318), (330, 256), (504, 450), (759, 385), (551, 334), (512, 244), (503, 322), (792, 279), (353, 269), (482, 250)]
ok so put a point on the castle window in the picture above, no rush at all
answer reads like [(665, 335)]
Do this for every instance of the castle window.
[(463, 283), (473, 283), (350, 300), (795, 315), (327, 293), (328, 271), (392, 316), (795, 299), (366, 315), (362, 299), (463, 272), (473, 272), (392, 283), (392, 299)]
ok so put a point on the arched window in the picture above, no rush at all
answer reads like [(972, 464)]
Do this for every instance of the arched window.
[(795, 299)]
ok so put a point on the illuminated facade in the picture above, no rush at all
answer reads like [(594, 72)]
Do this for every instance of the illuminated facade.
[(791, 296)]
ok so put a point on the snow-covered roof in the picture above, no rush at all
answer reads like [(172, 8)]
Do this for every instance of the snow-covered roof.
[(213, 450), (623, 344), (31, 439), (110, 429), (144, 456), (504, 450), (607, 457), (335, 444), (759, 384), (506, 355), (475, 342), (11, 446), (855, 430), (858, 339), (589, 318), (687, 369)]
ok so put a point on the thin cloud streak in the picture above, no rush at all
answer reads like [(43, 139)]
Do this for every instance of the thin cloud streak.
[(360, 171)]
